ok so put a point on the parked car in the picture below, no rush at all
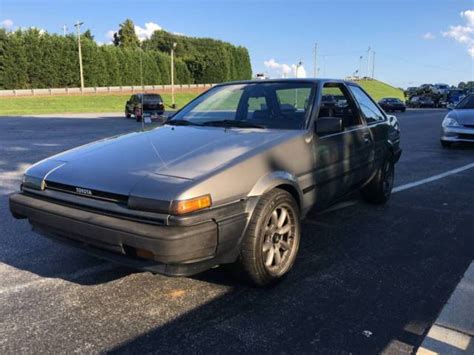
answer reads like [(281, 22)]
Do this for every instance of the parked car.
[(411, 91), (225, 181), (425, 89), (392, 104), (340, 100), (152, 105), (440, 89), (458, 125), (328, 101), (420, 102)]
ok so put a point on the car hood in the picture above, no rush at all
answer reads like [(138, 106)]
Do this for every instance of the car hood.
[(117, 164), (464, 117)]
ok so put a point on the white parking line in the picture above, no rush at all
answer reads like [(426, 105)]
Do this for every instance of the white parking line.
[(432, 178)]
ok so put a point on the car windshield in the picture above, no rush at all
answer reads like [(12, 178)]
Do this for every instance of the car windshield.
[(466, 104), (277, 105), (393, 100)]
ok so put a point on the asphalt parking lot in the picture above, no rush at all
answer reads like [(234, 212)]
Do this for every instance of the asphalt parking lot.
[(368, 279)]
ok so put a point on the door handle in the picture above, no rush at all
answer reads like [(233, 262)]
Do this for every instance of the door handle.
[(367, 138)]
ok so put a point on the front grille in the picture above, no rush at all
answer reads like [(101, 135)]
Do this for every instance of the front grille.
[(99, 195), (469, 125)]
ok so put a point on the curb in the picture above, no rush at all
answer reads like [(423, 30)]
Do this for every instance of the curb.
[(453, 331)]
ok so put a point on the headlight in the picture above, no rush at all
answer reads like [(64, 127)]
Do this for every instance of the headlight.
[(33, 182), (450, 122)]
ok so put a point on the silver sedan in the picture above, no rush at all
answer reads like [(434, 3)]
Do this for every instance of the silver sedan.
[(458, 125)]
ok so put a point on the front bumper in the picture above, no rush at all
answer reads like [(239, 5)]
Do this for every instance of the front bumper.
[(457, 134), (175, 250)]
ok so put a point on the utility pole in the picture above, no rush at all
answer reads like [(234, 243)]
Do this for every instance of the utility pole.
[(173, 105), (315, 70), (78, 27), (359, 70), (373, 64), (368, 62), (64, 30)]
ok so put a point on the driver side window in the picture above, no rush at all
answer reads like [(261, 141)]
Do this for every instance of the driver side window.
[(370, 110), (336, 102)]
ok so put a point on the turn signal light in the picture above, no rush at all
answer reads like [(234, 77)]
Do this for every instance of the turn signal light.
[(191, 205)]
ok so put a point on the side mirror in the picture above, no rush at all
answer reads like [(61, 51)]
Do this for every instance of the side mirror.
[(450, 107), (328, 125)]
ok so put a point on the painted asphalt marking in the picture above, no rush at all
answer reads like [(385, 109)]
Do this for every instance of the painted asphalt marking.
[(432, 178)]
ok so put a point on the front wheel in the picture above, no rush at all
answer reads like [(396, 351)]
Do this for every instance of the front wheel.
[(379, 189), (270, 245)]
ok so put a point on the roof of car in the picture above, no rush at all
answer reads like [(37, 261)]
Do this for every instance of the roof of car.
[(291, 80)]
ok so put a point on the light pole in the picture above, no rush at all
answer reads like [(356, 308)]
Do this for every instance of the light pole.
[(78, 27), (173, 105), (368, 63)]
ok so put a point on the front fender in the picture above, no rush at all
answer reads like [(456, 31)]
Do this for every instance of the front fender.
[(274, 179)]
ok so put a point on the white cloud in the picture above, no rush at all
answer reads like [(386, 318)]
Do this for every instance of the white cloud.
[(145, 33), (428, 36), (110, 35), (469, 16), (285, 70), (463, 34), (7, 23)]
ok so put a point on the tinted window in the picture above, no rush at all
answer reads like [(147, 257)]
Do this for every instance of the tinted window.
[(371, 112), (467, 103), (152, 98)]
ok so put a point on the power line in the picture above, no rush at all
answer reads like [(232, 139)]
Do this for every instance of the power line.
[(425, 65)]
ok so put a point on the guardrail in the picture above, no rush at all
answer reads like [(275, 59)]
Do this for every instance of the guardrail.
[(102, 90)]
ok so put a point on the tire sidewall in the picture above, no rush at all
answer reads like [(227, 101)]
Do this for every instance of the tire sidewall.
[(281, 198)]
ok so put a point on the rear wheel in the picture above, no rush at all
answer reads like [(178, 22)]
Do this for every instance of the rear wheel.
[(127, 114), (271, 243), (379, 189)]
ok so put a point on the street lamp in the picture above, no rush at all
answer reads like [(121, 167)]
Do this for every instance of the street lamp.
[(173, 105), (78, 27), (297, 67)]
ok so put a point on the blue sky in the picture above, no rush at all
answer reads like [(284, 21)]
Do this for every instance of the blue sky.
[(415, 41)]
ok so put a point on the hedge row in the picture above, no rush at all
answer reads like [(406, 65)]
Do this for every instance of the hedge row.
[(31, 59)]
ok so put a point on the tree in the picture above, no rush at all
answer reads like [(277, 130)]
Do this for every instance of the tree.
[(461, 85), (126, 36), (88, 34)]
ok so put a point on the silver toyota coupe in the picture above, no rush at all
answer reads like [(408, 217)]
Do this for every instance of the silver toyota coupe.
[(226, 180)]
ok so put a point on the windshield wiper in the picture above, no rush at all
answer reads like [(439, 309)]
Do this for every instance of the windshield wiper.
[(231, 123), (181, 123)]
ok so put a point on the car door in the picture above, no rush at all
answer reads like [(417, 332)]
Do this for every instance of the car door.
[(342, 160), (376, 123)]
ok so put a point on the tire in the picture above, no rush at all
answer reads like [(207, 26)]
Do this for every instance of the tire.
[(127, 114), (379, 189), (446, 144), (258, 262)]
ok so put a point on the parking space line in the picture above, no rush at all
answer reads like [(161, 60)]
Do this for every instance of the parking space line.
[(432, 178)]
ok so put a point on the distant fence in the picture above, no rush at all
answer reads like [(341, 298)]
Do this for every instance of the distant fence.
[(104, 90)]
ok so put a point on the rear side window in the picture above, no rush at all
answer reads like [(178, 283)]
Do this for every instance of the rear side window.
[(370, 110)]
